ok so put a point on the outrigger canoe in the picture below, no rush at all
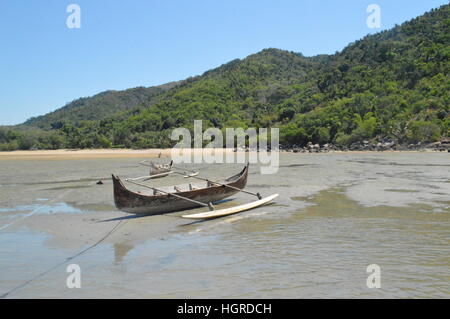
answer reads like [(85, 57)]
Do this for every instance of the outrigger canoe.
[(177, 199), (136, 203)]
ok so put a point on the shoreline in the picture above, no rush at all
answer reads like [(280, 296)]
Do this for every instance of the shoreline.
[(83, 154), (65, 154)]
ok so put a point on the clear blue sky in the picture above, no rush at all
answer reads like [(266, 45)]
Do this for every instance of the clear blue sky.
[(123, 44)]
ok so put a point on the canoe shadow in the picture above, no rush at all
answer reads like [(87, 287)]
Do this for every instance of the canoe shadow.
[(204, 220), (128, 217), (218, 217)]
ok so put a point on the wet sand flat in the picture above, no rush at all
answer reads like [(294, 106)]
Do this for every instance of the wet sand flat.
[(337, 213)]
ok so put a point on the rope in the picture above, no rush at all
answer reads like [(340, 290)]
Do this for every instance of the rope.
[(67, 259), (63, 262), (36, 209)]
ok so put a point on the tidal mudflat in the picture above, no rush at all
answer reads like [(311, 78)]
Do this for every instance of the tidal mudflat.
[(337, 213)]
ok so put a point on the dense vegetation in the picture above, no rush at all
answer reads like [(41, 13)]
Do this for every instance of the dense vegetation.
[(392, 85), (99, 106)]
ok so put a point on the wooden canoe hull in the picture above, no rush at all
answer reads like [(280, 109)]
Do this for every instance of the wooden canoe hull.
[(135, 203)]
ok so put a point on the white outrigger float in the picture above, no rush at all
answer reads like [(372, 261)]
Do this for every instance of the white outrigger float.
[(232, 210)]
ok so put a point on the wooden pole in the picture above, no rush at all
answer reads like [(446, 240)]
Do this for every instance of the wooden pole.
[(150, 176), (183, 169), (221, 184)]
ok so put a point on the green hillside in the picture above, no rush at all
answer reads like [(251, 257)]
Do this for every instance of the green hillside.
[(99, 106), (392, 85)]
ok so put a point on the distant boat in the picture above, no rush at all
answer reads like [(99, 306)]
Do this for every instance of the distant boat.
[(158, 170)]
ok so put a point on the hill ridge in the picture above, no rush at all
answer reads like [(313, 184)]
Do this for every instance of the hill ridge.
[(390, 85)]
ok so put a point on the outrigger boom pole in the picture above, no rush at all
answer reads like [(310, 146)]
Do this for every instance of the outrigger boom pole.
[(207, 180)]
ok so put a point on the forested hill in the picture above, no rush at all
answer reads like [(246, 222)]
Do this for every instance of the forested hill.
[(99, 106), (392, 85)]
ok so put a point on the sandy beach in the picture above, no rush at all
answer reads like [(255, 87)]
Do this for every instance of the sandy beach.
[(67, 154)]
